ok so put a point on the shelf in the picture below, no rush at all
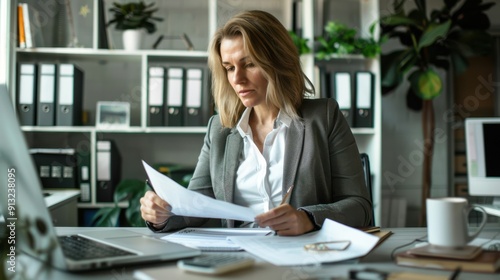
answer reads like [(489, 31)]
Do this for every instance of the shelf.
[(89, 129), (104, 52)]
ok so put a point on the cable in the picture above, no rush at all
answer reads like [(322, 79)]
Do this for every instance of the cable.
[(421, 239)]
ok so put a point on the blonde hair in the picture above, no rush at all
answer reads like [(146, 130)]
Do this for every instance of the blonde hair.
[(271, 48)]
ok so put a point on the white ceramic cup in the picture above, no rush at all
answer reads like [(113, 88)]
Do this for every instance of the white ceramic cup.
[(447, 221)]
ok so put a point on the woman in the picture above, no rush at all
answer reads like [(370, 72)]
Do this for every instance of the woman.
[(292, 159)]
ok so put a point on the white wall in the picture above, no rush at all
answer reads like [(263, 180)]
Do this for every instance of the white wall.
[(402, 131)]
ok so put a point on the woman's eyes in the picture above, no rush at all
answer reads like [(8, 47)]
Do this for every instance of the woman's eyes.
[(248, 65)]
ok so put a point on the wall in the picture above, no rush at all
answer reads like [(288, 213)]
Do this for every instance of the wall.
[(402, 133)]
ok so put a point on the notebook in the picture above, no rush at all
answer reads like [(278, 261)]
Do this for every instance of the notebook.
[(24, 210)]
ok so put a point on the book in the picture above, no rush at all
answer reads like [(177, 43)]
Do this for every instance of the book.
[(487, 261), (20, 26)]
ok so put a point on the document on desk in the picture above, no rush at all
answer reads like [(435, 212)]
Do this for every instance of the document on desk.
[(289, 250), (214, 239), (185, 202)]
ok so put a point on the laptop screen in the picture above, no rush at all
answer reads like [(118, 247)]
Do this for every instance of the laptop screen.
[(28, 223)]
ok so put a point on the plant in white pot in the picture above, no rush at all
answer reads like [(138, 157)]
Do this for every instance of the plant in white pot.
[(133, 18)]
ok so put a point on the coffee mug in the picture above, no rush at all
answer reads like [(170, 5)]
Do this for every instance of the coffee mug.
[(447, 221)]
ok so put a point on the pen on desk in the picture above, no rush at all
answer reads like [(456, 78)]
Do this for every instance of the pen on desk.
[(455, 274), (285, 197)]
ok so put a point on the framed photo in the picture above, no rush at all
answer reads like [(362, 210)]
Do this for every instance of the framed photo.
[(111, 114)]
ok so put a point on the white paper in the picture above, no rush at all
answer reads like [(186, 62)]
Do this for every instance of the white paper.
[(287, 251), (213, 239), (185, 202)]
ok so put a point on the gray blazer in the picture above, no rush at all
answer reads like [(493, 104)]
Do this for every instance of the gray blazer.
[(321, 160)]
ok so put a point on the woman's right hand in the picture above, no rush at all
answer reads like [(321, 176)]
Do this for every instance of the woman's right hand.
[(154, 209)]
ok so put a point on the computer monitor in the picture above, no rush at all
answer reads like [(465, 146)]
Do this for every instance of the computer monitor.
[(482, 137)]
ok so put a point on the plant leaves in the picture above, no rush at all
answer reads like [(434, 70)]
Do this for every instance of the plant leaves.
[(432, 33), (413, 102), (106, 217), (396, 20)]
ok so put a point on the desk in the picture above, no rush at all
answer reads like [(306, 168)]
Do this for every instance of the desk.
[(62, 205), (379, 259)]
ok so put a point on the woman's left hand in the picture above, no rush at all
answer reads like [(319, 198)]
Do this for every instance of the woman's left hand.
[(285, 220)]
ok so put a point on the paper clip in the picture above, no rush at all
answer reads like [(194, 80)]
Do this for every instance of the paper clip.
[(340, 245)]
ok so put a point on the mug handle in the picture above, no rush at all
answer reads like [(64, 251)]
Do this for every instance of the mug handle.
[(483, 222)]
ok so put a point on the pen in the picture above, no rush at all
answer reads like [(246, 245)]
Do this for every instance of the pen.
[(285, 197)]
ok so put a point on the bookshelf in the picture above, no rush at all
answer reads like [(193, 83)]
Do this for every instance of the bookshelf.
[(119, 75)]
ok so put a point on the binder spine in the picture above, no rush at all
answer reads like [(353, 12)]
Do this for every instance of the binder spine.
[(108, 170), (27, 88), (175, 97), (194, 96), (343, 94), (46, 94), (69, 97), (156, 96), (363, 116)]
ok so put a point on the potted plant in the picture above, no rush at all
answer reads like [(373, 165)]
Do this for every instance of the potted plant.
[(133, 18), (440, 39), (341, 40)]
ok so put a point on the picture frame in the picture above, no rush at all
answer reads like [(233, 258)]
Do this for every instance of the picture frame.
[(113, 114)]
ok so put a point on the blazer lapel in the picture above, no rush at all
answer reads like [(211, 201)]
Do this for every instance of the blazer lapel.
[(293, 154), (233, 149)]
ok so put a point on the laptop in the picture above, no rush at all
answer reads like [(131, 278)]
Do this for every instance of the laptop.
[(23, 207)]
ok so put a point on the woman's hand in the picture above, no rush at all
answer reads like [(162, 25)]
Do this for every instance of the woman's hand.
[(154, 209), (285, 220)]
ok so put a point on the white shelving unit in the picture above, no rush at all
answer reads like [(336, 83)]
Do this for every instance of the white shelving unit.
[(116, 74)]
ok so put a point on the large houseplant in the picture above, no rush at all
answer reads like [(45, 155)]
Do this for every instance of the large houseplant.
[(440, 39), (132, 19)]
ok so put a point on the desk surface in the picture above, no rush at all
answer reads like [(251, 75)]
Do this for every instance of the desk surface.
[(379, 259)]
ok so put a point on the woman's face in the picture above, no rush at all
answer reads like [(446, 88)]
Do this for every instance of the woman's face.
[(244, 76)]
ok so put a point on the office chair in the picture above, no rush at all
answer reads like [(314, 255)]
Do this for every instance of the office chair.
[(365, 161)]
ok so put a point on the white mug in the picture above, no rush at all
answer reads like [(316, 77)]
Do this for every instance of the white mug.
[(447, 221)]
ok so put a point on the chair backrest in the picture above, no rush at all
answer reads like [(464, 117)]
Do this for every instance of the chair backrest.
[(365, 161)]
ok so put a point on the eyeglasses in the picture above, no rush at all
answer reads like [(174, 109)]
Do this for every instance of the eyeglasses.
[(340, 245)]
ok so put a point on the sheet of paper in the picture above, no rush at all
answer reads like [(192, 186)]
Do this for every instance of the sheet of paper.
[(213, 239), (189, 203), (285, 251)]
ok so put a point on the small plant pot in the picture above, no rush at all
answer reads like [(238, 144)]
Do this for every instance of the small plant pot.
[(132, 39)]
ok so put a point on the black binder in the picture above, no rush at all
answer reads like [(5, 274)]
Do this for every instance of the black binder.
[(57, 168), (175, 96), (69, 95), (194, 96), (363, 116), (26, 95), (47, 87), (83, 157), (108, 170), (156, 96), (342, 92)]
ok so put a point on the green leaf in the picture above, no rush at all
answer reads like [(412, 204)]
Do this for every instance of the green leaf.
[(106, 217), (432, 33), (394, 20), (426, 84)]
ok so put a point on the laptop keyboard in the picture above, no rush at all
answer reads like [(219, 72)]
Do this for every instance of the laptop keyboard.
[(79, 248)]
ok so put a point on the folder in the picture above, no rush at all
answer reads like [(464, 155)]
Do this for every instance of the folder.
[(156, 93), (69, 95), (343, 94), (47, 77), (27, 88), (194, 95), (324, 82), (84, 175), (364, 99), (57, 168), (175, 92), (108, 170)]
